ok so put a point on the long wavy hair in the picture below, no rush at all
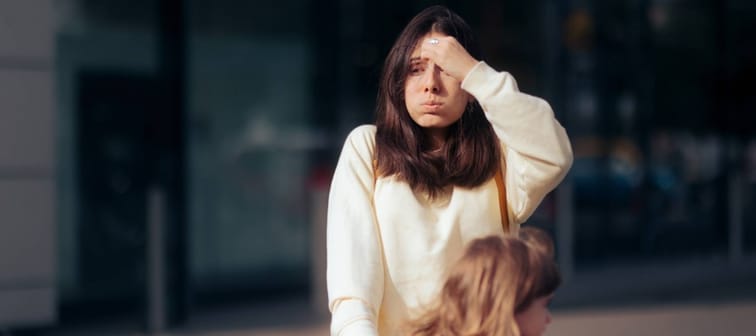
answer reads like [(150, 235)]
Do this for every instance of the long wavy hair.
[(495, 279), (470, 155)]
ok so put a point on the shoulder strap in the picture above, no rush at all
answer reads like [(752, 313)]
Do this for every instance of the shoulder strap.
[(375, 171), (502, 200)]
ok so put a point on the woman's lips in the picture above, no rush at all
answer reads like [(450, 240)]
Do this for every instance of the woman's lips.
[(432, 106)]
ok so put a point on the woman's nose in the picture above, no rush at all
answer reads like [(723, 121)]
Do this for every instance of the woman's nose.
[(430, 81)]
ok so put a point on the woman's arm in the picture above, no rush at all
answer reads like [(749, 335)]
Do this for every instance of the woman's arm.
[(537, 151), (354, 254)]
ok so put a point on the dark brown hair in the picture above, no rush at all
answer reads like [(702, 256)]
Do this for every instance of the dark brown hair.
[(470, 155), (496, 278)]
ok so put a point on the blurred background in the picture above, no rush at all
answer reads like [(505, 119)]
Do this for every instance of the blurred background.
[(164, 164)]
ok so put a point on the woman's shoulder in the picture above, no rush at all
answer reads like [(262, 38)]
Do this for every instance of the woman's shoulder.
[(362, 132), (362, 139)]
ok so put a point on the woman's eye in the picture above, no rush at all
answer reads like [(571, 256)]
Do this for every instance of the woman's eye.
[(416, 70)]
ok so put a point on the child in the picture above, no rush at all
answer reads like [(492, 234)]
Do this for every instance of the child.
[(500, 287)]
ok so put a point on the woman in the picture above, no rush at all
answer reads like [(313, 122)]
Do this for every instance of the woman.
[(500, 287), (409, 193)]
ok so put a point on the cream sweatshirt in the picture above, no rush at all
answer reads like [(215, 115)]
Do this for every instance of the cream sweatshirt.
[(389, 248)]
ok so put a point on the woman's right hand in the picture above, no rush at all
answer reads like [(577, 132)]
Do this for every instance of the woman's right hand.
[(448, 54)]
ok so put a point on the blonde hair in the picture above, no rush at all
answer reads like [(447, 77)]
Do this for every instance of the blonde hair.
[(496, 278)]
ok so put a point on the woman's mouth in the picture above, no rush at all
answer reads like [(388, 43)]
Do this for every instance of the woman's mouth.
[(432, 106)]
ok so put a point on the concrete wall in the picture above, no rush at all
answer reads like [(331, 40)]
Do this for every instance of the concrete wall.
[(27, 178)]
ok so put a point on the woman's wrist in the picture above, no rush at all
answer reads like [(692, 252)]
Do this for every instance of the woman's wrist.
[(468, 67)]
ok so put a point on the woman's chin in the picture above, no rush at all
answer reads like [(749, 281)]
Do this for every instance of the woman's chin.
[(430, 120)]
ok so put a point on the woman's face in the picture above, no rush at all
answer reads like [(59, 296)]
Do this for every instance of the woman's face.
[(533, 320), (433, 98)]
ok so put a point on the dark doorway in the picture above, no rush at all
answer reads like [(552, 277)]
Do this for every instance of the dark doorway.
[(113, 174)]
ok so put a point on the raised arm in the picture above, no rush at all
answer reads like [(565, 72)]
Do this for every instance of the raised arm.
[(537, 152), (354, 254)]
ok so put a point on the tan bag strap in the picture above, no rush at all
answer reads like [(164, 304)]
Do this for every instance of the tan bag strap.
[(502, 200), (375, 172)]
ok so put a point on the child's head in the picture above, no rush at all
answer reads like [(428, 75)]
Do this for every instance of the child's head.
[(500, 286), (532, 313)]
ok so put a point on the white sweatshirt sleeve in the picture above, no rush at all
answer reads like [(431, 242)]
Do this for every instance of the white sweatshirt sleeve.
[(537, 152), (354, 254)]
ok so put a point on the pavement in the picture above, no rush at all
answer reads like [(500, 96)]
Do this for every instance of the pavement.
[(721, 308), (732, 318)]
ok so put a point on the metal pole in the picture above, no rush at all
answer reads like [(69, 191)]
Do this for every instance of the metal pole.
[(156, 319), (565, 232), (735, 197), (318, 218)]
